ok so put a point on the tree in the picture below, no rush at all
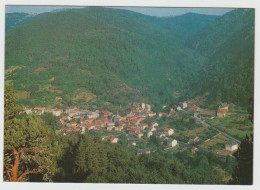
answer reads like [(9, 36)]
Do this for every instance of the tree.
[(28, 144), (250, 109), (243, 172)]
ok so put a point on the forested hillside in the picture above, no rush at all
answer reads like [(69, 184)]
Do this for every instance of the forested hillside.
[(111, 55), (15, 20), (228, 46), (100, 57), (185, 27)]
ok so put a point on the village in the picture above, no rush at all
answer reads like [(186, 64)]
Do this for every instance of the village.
[(135, 128)]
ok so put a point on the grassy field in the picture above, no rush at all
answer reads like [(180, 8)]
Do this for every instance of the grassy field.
[(217, 144), (236, 123), (194, 132)]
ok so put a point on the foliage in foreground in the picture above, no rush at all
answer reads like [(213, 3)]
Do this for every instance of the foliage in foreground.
[(28, 145)]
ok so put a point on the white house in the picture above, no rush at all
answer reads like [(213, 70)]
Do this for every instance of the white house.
[(231, 145), (83, 130), (172, 142), (148, 107), (149, 133), (113, 140), (183, 105), (151, 114), (154, 124), (179, 108), (168, 131), (143, 106), (57, 112), (28, 110)]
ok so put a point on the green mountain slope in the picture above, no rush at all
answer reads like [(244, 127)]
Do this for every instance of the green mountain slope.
[(184, 27), (13, 20), (228, 45), (112, 56), (101, 57)]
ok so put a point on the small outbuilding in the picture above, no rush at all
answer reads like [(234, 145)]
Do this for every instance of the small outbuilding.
[(231, 145)]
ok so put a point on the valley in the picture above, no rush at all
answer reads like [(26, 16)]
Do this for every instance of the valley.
[(124, 97)]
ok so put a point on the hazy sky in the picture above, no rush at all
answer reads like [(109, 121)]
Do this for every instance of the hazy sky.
[(148, 11)]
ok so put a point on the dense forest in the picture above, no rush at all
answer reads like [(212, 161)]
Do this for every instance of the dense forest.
[(228, 45), (100, 57)]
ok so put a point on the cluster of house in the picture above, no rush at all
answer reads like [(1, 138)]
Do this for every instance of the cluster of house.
[(75, 119), (82, 120), (41, 110), (209, 114)]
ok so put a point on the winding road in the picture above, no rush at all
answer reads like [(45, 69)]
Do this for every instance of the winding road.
[(215, 128)]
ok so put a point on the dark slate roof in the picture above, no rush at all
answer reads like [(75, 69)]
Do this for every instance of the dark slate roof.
[(232, 142), (143, 150)]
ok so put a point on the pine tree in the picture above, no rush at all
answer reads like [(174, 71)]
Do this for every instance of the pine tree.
[(28, 144), (243, 172)]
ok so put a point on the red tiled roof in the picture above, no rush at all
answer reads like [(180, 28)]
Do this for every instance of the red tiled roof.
[(207, 112), (112, 138), (97, 122), (166, 129), (74, 127), (222, 110), (90, 124), (137, 131), (195, 149), (104, 119), (63, 117), (39, 107), (58, 109), (105, 112)]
